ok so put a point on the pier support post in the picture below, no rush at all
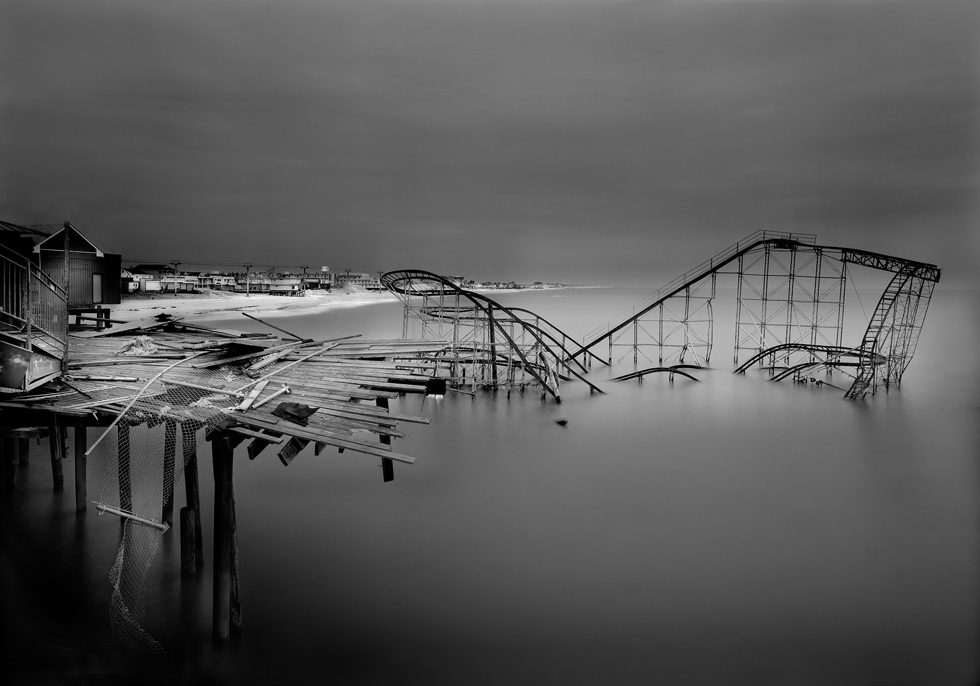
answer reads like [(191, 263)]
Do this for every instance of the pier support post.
[(189, 525), (192, 561), (223, 458), (55, 445), (9, 462), (236, 604), (24, 451), (80, 467), (387, 466)]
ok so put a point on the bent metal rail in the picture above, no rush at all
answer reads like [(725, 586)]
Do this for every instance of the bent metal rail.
[(489, 344), (789, 309), (789, 318)]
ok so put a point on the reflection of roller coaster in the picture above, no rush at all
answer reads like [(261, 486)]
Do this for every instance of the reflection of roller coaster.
[(789, 318)]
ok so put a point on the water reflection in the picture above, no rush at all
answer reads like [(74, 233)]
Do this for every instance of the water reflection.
[(729, 530)]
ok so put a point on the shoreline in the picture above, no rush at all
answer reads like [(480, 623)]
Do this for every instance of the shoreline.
[(218, 303), (213, 304)]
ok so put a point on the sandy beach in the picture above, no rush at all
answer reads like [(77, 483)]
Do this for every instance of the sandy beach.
[(205, 304), (208, 303)]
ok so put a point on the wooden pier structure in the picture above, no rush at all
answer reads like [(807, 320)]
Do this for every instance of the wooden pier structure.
[(148, 392)]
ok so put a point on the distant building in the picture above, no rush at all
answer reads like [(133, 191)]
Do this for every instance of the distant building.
[(286, 286), (253, 283), (154, 271), (360, 280), (217, 281), (179, 283)]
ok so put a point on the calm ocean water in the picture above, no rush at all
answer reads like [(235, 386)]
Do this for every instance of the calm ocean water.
[(727, 531)]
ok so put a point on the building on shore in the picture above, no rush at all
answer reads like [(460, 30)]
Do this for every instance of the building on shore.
[(359, 280), (216, 281), (94, 276)]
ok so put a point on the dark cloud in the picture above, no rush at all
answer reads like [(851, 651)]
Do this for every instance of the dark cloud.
[(539, 138)]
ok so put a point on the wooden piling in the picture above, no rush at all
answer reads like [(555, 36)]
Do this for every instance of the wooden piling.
[(189, 527), (169, 465), (55, 445), (223, 460), (24, 451), (81, 487), (387, 466), (9, 462), (192, 492), (236, 605)]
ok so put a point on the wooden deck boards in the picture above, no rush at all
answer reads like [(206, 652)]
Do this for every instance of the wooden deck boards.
[(343, 379)]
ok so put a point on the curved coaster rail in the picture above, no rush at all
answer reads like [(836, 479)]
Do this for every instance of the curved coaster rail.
[(789, 315), (490, 345), (789, 306)]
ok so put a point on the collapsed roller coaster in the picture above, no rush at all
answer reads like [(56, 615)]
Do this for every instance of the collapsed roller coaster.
[(487, 344), (788, 318)]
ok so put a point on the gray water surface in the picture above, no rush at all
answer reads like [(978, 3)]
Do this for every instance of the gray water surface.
[(728, 531)]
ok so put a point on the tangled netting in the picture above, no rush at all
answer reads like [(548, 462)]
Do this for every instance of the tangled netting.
[(156, 436)]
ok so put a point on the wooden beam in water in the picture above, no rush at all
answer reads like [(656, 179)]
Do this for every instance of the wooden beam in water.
[(387, 466), (223, 459), (323, 436), (55, 446), (9, 462), (189, 525), (24, 451), (192, 552), (292, 448), (81, 487)]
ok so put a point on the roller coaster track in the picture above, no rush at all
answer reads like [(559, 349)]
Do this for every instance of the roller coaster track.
[(789, 306), (833, 353), (790, 299), (487, 336)]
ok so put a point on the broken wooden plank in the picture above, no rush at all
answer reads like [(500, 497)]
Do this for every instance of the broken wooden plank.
[(252, 395), (299, 431)]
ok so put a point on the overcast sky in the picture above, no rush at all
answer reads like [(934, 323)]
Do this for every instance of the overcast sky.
[(588, 141)]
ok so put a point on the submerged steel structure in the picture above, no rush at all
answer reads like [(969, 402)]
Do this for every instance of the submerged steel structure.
[(488, 345), (789, 314)]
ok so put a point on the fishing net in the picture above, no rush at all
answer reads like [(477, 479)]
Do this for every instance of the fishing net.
[(156, 436)]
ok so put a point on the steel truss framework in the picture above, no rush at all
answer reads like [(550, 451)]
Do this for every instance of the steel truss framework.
[(488, 345), (789, 319), (789, 313)]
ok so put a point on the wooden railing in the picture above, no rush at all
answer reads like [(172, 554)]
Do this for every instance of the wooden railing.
[(33, 306)]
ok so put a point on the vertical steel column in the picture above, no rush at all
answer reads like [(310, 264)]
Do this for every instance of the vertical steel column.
[(686, 325), (814, 322), (64, 330), (738, 306), (636, 342), (790, 283), (660, 340), (710, 313), (493, 346), (765, 297), (840, 303), (27, 306), (408, 300)]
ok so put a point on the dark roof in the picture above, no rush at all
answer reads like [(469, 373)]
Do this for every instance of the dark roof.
[(147, 268), (10, 227)]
